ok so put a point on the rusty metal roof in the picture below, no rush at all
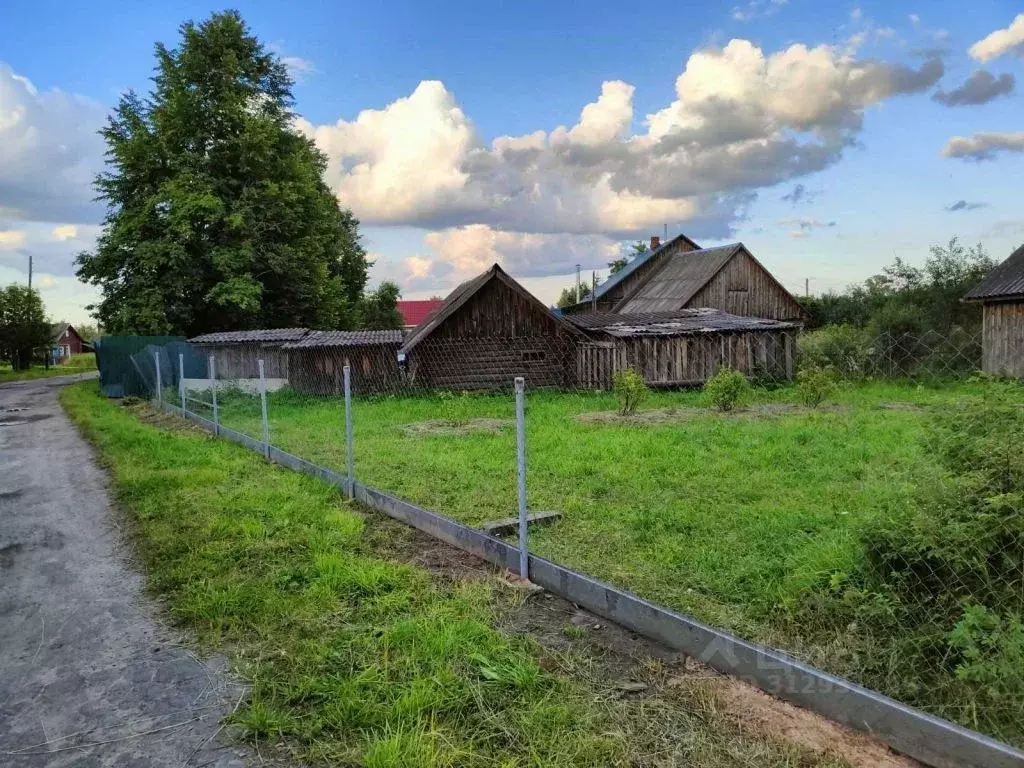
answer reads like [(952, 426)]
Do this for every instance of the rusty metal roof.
[(323, 339), (1003, 282), (682, 322), (262, 336)]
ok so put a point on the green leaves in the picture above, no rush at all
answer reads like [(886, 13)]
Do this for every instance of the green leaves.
[(24, 329), (218, 215)]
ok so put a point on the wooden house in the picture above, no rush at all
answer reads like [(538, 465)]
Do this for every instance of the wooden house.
[(1002, 297), (66, 342), (237, 354), (488, 331), (681, 348), (680, 275), (316, 362)]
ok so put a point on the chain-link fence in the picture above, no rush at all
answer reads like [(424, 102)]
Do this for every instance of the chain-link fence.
[(878, 535)]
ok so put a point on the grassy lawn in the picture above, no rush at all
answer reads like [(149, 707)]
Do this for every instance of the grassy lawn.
[(77, 364), (358, 658)]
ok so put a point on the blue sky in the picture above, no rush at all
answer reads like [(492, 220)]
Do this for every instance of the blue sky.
[(703, 117)]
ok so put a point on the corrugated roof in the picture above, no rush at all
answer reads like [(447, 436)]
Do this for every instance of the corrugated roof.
[(678, 280), (1004, 281), (633, 265), (262, 336), (681, 322), (323, 339)]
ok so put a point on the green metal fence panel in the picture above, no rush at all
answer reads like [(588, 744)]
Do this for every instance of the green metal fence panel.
[(119, 374)]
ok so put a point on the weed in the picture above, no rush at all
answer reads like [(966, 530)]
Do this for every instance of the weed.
[(630, 389), (726, 389)]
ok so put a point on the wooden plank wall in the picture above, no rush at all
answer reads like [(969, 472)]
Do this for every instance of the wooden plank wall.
[(686, 360), (239, 361), (1003, 339), (490, 363), (744, 288), (320, 370)]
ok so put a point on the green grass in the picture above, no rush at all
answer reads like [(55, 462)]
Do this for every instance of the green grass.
[(358, 658), (77, 364)]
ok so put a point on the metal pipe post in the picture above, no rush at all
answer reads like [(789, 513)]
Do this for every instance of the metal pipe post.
[(181, 379), (349, 464), (159, 385), (263, 408), (213, 392), (524, 552)]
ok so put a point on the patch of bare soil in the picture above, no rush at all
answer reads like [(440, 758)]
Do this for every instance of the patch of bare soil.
[(648, 679), (449, 427), (756, 711), (663, 415)]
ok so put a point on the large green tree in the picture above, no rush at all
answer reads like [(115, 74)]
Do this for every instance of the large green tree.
[(218, 215), (25, 332)]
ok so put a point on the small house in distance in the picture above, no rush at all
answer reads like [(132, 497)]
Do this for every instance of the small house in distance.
[(66, 342), (1002, 297), (316, 362), (680, 275), (238, 352), (488, 331), (682, 348)]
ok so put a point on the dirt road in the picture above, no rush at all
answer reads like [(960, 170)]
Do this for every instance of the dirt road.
[(89, 674)]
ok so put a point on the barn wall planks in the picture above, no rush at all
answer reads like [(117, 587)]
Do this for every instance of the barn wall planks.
[(1003, 339), (743, 287), (240, 361), (320, 370)]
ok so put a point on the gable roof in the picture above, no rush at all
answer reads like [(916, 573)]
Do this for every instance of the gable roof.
[(1005, 281), (322, 339), (464, 292), (415, 312), (57, 329), (678, 280), (261, 336), (680, 322), (635, 264)]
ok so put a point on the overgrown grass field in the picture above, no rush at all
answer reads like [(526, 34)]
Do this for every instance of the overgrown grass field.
[(356, 658), (754, 520)]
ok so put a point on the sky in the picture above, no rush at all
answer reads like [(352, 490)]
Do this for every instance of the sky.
[(829, 137)]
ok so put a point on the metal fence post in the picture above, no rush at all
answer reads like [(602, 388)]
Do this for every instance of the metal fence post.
[(263, 407), (181, 379), (159, 384), (213, 392), (349, 463), (524, 552)]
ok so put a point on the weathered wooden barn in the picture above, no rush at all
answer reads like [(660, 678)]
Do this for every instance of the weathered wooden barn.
[(680, 275), (237, 354), (489, 330), (681, 348), (316, 362), (1002, 297)]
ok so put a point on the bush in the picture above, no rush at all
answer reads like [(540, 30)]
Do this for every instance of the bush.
[(815, 385), (726, 389), (843, 348), (630, 389)]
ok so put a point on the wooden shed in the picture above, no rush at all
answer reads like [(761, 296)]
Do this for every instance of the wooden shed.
[(678, 275), (682, 348), (316, 362), (488, 331), (1002, 297), (237, 354)]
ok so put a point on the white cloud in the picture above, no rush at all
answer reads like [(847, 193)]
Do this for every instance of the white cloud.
[(49, 152), (756, 9), (298, 67), (742, 119), (11, 239), (803, 226), (983, 146), (64, 232), (46, 282), (915, 20), (1001, 42)]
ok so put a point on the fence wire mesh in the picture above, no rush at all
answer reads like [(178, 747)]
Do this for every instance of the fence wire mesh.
[(874, 528)]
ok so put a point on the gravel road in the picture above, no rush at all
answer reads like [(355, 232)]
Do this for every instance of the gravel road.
[(89, 674)]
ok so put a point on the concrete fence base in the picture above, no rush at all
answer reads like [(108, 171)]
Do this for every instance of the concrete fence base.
[(930, 739)]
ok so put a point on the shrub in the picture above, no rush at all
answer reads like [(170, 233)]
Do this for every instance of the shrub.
[(843, 348), (815, 385), (726, 389), (630, 389)]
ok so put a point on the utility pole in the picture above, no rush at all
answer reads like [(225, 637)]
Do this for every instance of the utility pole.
[(579, 285), (664, 238), (30, 271), (807, 286), (593, 293)]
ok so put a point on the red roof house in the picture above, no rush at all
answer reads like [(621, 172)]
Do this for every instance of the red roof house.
[(415, 312)]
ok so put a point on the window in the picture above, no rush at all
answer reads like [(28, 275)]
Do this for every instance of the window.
[(534, 357)]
